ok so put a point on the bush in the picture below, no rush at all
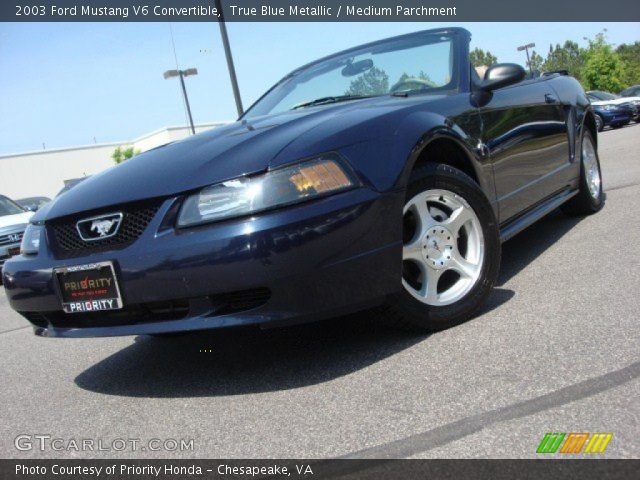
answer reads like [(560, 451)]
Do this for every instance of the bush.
[(119, 155)]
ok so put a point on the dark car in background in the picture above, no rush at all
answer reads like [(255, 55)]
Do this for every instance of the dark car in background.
[(612, 110), (386, 175), (33, 204), (633, 91), (69, 184)]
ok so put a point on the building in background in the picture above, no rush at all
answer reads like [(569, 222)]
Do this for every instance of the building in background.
[(43, 172)]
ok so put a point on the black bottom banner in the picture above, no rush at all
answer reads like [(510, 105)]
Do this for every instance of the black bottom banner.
[(582, 469)]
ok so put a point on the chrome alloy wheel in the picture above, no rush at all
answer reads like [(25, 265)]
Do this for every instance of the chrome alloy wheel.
[(590, 166), (443, 249)]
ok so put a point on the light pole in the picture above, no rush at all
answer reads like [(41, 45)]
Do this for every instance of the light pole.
[(182, 74), (229, 57), (526, 48)]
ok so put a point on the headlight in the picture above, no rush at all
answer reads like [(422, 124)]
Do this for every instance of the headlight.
[(247, 195), (31, 240)]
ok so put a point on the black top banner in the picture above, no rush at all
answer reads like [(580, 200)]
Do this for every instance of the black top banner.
[(449, 11)]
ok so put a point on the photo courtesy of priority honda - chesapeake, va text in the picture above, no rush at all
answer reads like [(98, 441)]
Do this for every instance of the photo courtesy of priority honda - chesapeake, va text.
[(386, 175)]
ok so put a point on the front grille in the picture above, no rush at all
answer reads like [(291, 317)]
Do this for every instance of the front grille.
[(627, 107), (213, 305), (10, 239), (67, 242)]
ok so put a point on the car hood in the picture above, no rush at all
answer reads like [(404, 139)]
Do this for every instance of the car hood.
[(241, 148), (14, 220)]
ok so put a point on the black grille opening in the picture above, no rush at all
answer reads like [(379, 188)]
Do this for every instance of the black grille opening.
[(220, 304), (135, 219), (130, 315), (37, 318), (239, 301)]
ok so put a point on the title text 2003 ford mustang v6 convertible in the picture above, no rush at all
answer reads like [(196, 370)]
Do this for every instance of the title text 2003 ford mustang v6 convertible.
[(386, 175)]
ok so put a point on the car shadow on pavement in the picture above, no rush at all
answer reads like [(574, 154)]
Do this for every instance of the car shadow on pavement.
[(525, 247), (248, 360)]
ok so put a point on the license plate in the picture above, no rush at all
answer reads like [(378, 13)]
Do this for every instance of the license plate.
[(88, 288)]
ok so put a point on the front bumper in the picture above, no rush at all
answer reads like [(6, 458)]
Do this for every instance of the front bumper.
[(308, 261), (616, 117)]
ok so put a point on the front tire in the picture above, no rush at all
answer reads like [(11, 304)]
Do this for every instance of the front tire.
[(590, 198), (599, 122), (451, 251)]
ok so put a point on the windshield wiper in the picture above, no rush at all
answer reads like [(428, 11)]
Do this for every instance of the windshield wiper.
[(328, 100)]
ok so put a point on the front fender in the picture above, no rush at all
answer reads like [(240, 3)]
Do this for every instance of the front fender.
[(464, 130), (388, 160)]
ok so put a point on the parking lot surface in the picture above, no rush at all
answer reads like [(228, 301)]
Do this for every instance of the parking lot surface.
[(555, 350)]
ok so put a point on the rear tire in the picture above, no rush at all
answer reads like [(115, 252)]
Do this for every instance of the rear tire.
[(590, 198), (455, 248)]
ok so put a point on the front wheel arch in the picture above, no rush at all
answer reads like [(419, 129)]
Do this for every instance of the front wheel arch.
[(591, 124), (443, 146)]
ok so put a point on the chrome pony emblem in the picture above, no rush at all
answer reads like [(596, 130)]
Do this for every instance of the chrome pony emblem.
[(99, 228)]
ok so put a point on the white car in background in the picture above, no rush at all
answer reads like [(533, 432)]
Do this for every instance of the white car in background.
[(598, 97), (13, 221)]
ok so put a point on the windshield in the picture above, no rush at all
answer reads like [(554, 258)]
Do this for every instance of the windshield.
[(7, 207), (415, 64), (603, 95)]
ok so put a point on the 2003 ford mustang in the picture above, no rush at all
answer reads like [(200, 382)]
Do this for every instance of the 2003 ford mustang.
[(385, 175)]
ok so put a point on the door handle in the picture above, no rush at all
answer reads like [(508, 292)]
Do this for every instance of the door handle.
[(548, 98)]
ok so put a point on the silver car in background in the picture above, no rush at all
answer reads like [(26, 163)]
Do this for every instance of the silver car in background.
[(13, 222)]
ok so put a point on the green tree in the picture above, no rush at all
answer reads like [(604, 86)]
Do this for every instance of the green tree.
[(568, 57), (373, 82), (603, 69), (119, 155), (479, 58), (535, 62), (629, 54), (417, 82)]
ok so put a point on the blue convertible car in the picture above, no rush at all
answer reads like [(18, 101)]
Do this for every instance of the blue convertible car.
[(385, 175), (612, 110)]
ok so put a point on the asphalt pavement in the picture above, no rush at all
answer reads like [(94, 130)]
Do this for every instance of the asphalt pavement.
[(556, 350)]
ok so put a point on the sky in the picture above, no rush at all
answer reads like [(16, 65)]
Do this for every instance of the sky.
[(69, 84)]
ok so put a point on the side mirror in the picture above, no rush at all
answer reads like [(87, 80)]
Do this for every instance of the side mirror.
[(501, 75), (31, 208)]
